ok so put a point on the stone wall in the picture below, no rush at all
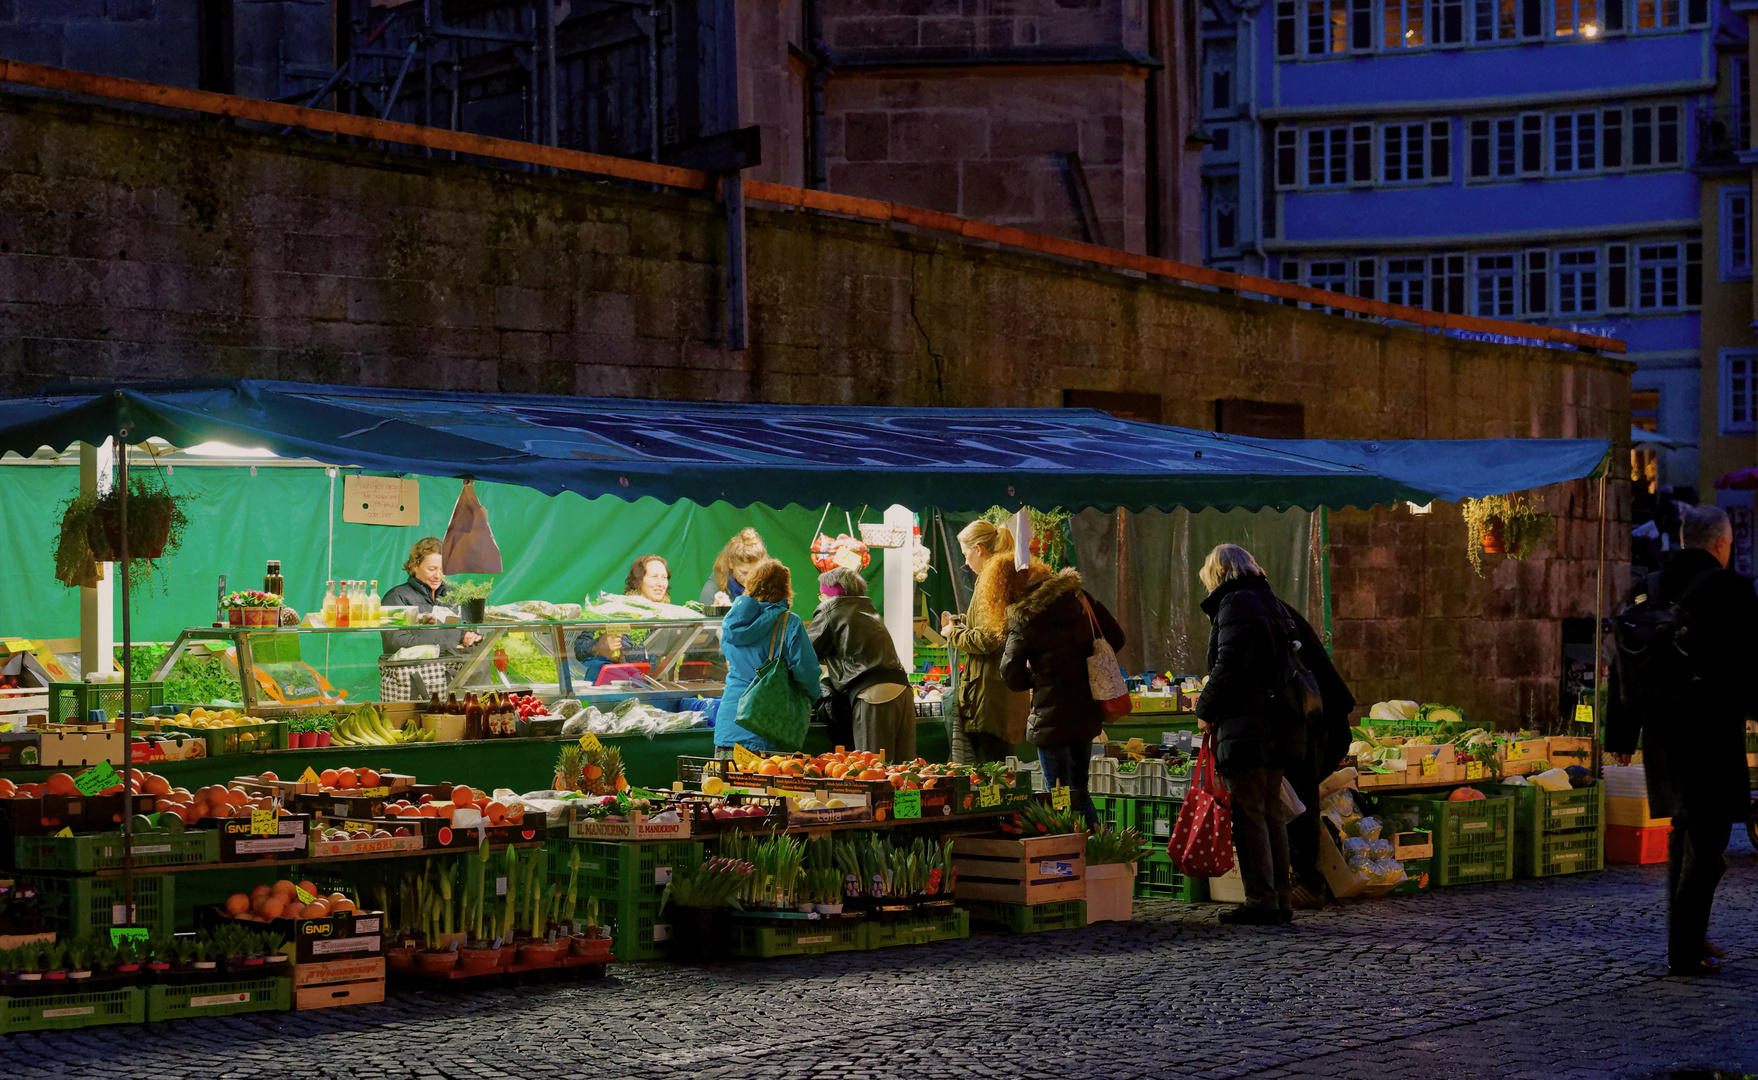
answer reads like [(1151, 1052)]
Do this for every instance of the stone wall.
[(134, 248)]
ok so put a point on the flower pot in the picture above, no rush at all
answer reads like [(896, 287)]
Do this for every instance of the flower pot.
[(400, 958), (1490, 537), (474, 611), (586, 946), (479, 961), (435, 963), (235, 616), (1110, 892), (828, 909), (79, 974), (542, 952), (149, 526), (323, 738), (275, 958)]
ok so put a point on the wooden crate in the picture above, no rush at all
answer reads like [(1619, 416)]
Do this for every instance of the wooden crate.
[(16, 706), (1634, 814), (329, 983), (1033, 870), (334, 994)]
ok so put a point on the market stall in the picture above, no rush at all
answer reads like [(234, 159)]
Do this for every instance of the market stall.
[(908, 823)]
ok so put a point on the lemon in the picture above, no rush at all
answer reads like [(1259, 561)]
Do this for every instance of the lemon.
[(713, 785)]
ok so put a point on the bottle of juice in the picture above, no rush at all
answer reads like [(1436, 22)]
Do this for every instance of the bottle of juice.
[(374, 614), (329, 603), (342, 606)]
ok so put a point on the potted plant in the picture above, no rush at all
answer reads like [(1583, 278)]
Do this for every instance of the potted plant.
[(235, 605), (165, 952), (128, 958), (272, 944), (1502, 525), (471, 598), (1112, 856), (55, 962), (701, 901), (79, 959), (261, 609), (30, 959), (91, 529)]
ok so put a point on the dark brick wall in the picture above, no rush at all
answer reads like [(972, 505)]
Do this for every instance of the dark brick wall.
[(141, 248)]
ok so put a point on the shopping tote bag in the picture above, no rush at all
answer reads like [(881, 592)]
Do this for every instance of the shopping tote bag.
[(1202, 837), (1104, 675), (774, 707), (469, 546)]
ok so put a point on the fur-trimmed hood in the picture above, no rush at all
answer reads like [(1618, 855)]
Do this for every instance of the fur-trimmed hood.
[(1043, 595)]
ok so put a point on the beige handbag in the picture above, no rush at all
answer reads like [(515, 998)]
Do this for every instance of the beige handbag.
[(469, 546)]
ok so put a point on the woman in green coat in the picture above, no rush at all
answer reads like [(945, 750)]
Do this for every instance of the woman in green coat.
[(990, 715)]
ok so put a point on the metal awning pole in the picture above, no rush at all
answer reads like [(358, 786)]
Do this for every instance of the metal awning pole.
[(1599, 617), (127, 676)]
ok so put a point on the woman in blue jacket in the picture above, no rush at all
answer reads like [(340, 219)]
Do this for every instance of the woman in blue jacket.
[(745, 635)]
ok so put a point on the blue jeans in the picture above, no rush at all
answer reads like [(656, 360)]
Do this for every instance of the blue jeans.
[(1068, 765)]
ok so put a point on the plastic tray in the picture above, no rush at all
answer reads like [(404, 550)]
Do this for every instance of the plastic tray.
[(1537, 810), (67, 1012), (224, 998), (103, 851), (72, 702), (950, 925), (766, 938), (1027, 918), (1552, 854), (1157, 879), (83, 906)]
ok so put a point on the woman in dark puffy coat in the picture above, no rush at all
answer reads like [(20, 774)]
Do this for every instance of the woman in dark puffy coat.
[(1255, 735), (1049, 638)]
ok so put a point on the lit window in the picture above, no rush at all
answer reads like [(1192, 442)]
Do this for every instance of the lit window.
[(1657, 14), (1403, 23), (1578, 18), (1327, 27), (1494, 20)]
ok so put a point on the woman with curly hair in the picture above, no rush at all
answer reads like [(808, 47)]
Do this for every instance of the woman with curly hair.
[(990, 715)]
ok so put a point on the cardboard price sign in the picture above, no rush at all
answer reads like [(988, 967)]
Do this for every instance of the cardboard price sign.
[(264, 822), (906, 804), (1474, 770), (590, 741), (304, 897), (97, 778), (1583, 713), (309, 776), (1061, 797), (1430, 767), (744, 760), (381, 500), (989, 795)]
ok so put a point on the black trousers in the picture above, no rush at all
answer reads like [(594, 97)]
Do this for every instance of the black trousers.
[(1694, 868), (1303, 831)]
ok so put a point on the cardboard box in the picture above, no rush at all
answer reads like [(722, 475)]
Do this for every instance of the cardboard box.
[(329, 804), (19, 749), (1412, 845), (81, 748), (239, 844), (355, 935), (1342, 879), (329, 972), (1633, 813), (585, 828), (323, 849), (328, 997)]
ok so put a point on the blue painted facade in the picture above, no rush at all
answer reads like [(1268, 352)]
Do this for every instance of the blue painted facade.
[(1532, 160)]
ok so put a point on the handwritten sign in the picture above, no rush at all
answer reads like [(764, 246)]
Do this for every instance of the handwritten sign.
[(309, 776), (373, 792), (906, 804), (381, 500), (590, 741), (304, 897), (1060, 797), (65, 831), (97, 778), (989, 795), (744, 760), (1474, 770), (1583, 713), (264, 822), (1430, 767)]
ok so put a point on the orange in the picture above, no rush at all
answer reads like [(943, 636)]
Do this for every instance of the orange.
[(157, 785), (837, 771), (310, 889), (769, 768), (429, 810), (269, 776), (7, 790), (294, 910), (198, 811), (283, 887), (317, 909), (367, 778), (346, 779), (61, 784), (340, 904), (272, 908), (463, 796), (328, 777), (237, 904), (496, 811)]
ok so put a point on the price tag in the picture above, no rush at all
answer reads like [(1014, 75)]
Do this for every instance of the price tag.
[(264, 822), (906, 804), (1583, 713), (373, 792), (590, 741), (500, 886), (989, 795), (309, 776), (66, 831), (744, 760), (1474, 770), (96, 779), (304, 897), (1430, 767), (1061, 797)]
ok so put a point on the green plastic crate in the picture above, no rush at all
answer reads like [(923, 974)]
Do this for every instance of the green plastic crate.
[(103, 851), (84, 906), (1539, 811), (71, 702), (619, 868), (767, 938), (1113, 811), (66, 1012), (950, 925), (1473, 840), (1553, 854), (1153, 817), (1028, 918), (1156, 878), (227, 997), (244, 738), (638, 928)]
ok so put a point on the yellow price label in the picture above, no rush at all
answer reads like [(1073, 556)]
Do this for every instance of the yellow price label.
[(304, 897), (989, 795), (65, 832), (744, 760), (1061, 797), (1583, 713), (264, 822), (590, 741), (1430, 767), (1474, 770), (309, 776)]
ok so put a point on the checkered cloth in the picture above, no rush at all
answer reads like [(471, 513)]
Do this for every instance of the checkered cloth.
[(394, 685)]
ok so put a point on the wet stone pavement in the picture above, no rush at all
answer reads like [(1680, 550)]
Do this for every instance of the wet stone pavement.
[(1545, 979)]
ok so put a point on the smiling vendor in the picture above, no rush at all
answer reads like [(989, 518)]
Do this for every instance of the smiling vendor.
[(649, 578), (425, 590)]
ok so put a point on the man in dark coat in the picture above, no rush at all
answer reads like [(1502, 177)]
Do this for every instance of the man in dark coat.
[(1050, 636), (1326, 743), (1694, 753), (862, 668)]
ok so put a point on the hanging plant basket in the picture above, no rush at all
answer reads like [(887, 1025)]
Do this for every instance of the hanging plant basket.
[(91, 530), (1502, 525)]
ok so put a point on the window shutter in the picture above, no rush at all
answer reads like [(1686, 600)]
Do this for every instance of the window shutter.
[(1611, 139), (1531, 18), (1440, 149), (1287, 157), (1361, 145), (1693, 273), (1537, 302), (1365, 284), (1480, 149), (1361, 24), (1532, 143), (1612, 15), (1617, 277)]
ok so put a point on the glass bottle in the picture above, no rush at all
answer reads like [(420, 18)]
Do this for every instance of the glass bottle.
[(329, 603), (452, 706), (342, 606), (374, 614), (472, 718), (272, 581), (433, 703)]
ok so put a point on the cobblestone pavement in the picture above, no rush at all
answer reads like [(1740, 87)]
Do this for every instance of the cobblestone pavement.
[(1551, 979)]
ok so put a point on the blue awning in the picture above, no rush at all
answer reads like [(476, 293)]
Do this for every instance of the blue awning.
[(957, 459)]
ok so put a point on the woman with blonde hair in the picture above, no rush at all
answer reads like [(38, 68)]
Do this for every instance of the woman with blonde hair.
[(732, 567), (989, 715), (1255, 736)]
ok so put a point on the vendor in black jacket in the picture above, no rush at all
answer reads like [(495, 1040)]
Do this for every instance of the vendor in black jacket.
[(1255, 736), (861, 669), (1694, 753), (425, 589)]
